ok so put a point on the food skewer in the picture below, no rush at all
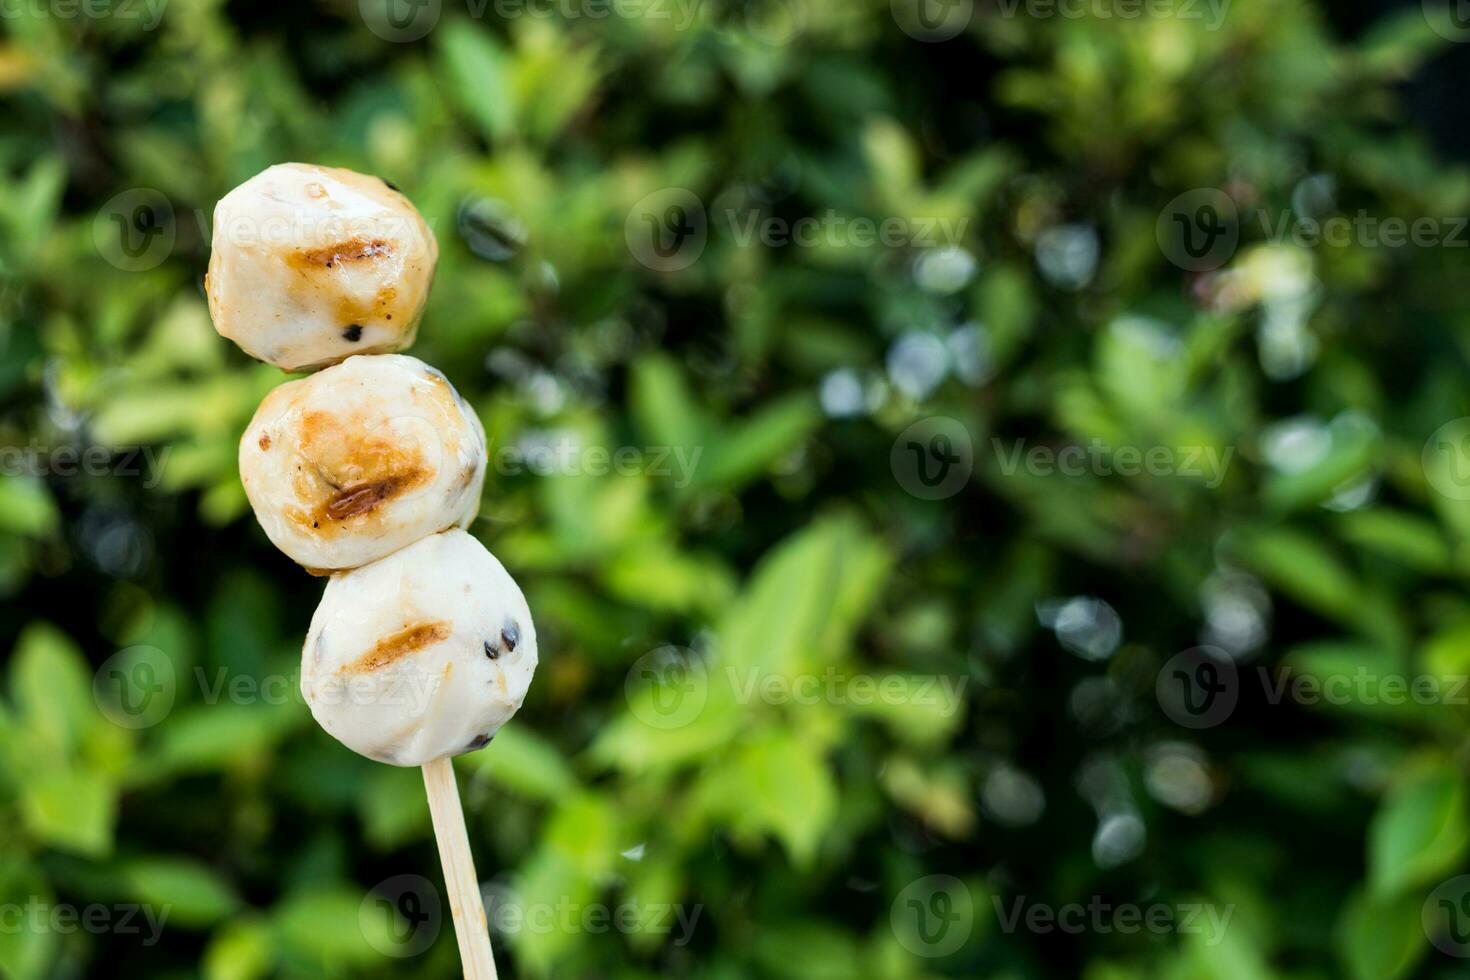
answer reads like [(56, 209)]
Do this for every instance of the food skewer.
[(465, 902), (422, 646)]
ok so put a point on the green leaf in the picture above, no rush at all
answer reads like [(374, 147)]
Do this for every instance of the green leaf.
[(240, 950), (541, 936), (594, 516), (1359, 679), (26, 507), (924, 710), (891, 156), (1007, 303), (585, 833), (25, 954), (808, 950), (28, 207), (804, 600), (324, 925), (1353, 452), (940, 799), (478, 75), (194, 895), (393, 808), (553, 81), (1406, 538), (216, 736), (1446, 655), (1381, 939), (788, 789), (1140, 364), (658, 576), (653, 886), (51, 684), (754, 445), (650, 735), (157, 411), (1397, 44), (1221, 946), (662, 405), (1419, 833), (1302, 568), (524, 763), (71, 810)]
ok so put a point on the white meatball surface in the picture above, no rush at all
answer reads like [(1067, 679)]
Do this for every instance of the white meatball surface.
[(311, 265), (422, 655), (352, 463)]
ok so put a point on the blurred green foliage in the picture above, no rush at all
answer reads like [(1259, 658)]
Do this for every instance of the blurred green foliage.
[(1320, 548)]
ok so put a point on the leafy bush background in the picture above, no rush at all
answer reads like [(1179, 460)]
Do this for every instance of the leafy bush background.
[(793, 827)]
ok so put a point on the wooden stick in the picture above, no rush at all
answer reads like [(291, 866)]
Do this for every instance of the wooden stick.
[(470, 927)]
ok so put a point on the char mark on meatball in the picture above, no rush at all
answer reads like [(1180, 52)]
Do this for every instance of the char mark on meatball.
[(361, 498), (395, 646), (350, 250)]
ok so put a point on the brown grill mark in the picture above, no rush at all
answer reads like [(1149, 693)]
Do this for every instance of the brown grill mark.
[(351, 250), (396, 646), (363, 497), (354, 473)]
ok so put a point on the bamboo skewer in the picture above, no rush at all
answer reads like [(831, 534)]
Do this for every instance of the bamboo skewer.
[(468, 908)]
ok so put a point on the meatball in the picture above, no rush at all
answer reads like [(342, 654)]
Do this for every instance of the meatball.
[(352, 463), (421, 655), (311, 265)]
